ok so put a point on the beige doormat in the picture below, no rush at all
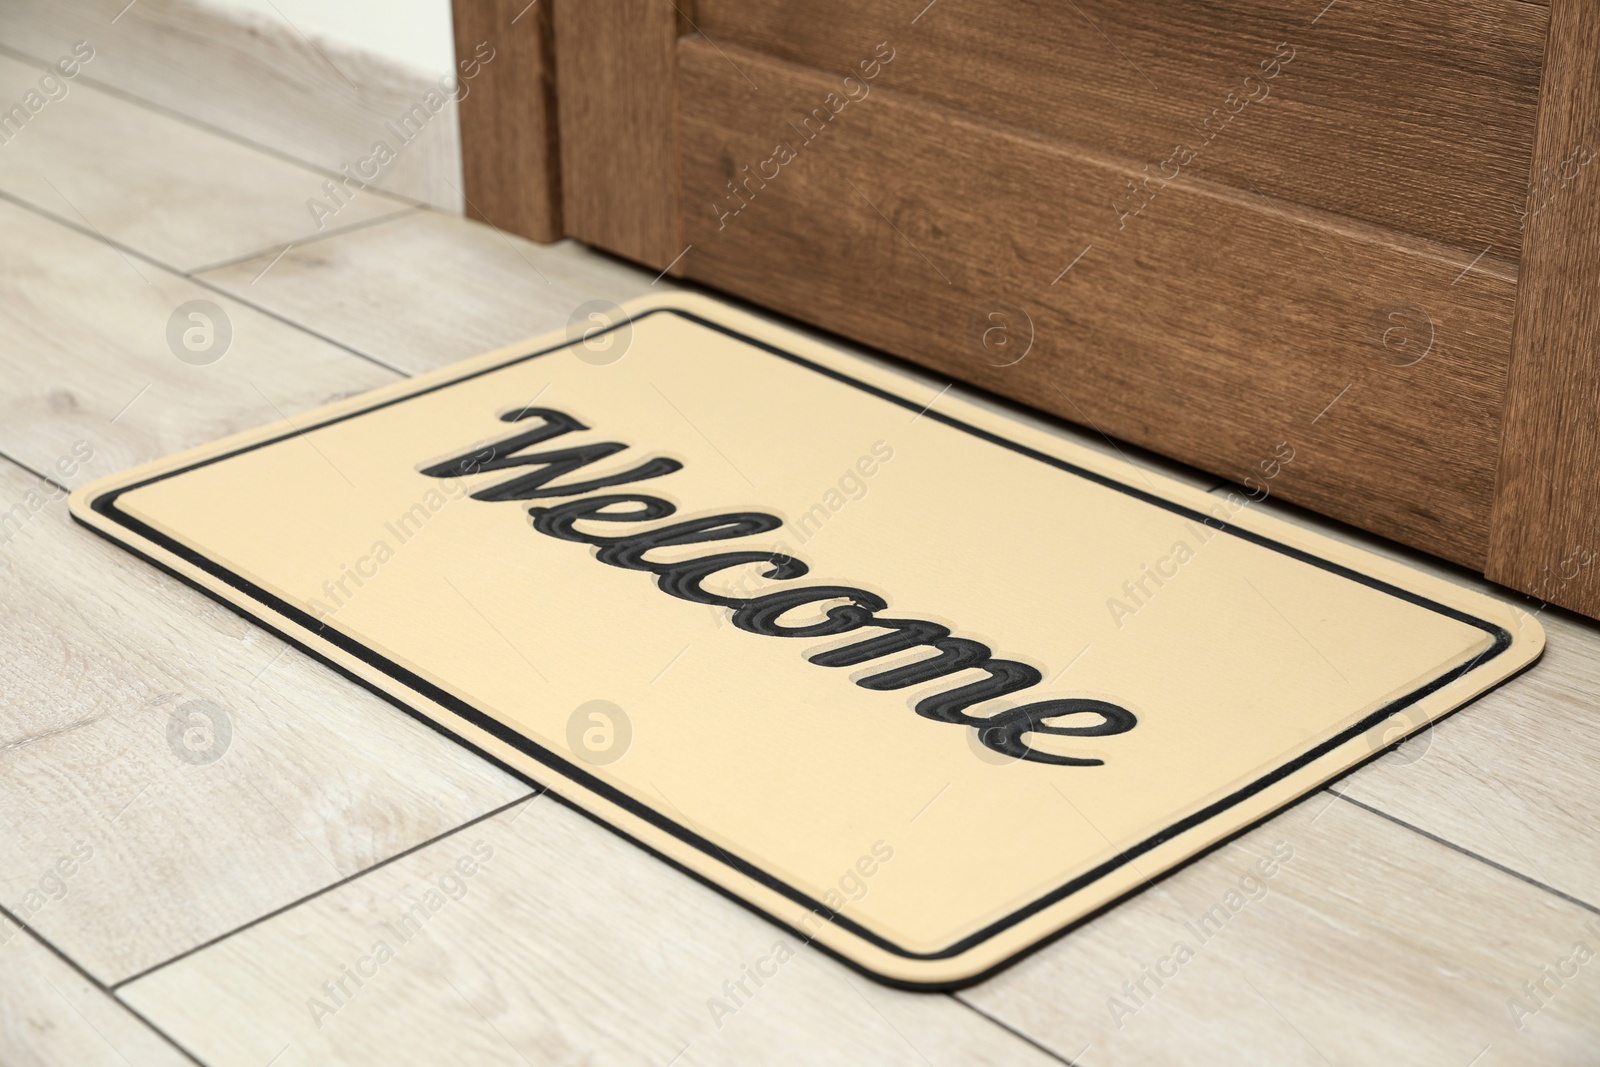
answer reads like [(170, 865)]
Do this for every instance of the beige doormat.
[(919, 682)]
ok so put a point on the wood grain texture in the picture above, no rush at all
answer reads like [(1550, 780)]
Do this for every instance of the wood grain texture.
[(180, 195), (87, 357), (431, 289), (1545, 534), (321, 779), (1211, 328), (50, 1015), (256, 78), (300, 780), (1371, 938), (1416, 115), (426, 289), (510, 144), (1510, 777), (566, 944), (616, 92), (1368, 944)]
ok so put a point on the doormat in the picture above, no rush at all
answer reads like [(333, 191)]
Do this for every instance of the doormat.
[(919, 682)]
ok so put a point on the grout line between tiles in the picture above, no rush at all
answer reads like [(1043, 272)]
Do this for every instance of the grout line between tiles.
[(189, 120), (528, 797), (87, 231), (203, 283), (271, 314), (98, 984), (1502, 868), (320, 235), (9, 458), (1008, 1028)]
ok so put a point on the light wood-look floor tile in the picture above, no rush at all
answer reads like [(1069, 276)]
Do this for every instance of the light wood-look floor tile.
[(180, 195), (86, 357), (1516, 776), (101, 650), (428, 289), (249, 70), (1513, 776), (211, 773), (1369, 944), (565, 945), (50, 1016), (196, 820)]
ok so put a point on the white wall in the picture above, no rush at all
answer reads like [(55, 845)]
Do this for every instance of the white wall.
[(412, 32)]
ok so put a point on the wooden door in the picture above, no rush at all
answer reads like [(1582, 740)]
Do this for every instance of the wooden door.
[(1215, 229)]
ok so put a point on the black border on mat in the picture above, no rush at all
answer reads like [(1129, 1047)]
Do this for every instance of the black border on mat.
[(106, 504)]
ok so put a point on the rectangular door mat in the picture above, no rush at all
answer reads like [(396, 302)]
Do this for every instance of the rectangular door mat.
[(917, 681)]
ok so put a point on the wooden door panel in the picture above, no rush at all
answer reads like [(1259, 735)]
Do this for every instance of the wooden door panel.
[(1416, 115), (1337, 267), (510, 151), (1211, 328), (1546, 520), (616, 93)]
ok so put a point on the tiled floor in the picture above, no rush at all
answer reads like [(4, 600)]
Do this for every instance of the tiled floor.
[(225, 906)]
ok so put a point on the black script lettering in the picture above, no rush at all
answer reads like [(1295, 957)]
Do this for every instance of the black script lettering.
[(496, 455), (1005, 676), (629, 549), (682, 580), (955, 654), (1005, 731), (560, 520), (502, 454), (564, 461), (763, 614)]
